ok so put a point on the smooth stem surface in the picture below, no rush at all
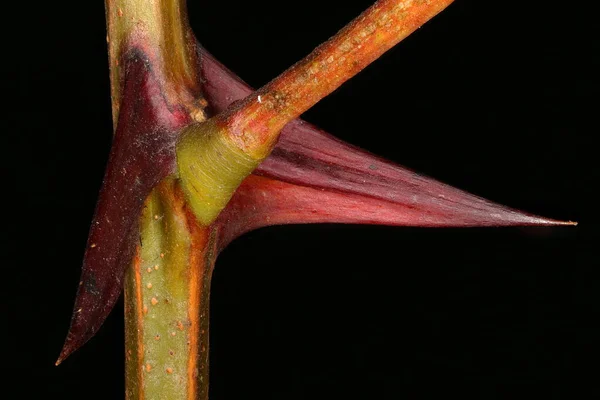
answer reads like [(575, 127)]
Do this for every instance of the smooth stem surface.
[(167, 294), (254, 125)]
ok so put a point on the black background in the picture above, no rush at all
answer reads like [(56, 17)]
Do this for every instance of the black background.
[(498, 98)]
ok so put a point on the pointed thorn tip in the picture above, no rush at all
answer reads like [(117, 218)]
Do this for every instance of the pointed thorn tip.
[(553, 222), (65, 352), (61, 358), (534, 220)]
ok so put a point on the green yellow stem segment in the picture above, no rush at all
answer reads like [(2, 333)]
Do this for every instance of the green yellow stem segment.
[(166, 301), (210, 168)]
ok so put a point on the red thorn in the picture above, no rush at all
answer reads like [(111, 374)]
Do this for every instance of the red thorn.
[(314, 177), (141, 156)]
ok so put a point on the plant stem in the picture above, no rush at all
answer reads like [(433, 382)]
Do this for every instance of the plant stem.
[(160, 29), (167, 292), (167, 288), (255, 123)]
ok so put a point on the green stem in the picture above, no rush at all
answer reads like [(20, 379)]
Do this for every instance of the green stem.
[(167, 292)]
